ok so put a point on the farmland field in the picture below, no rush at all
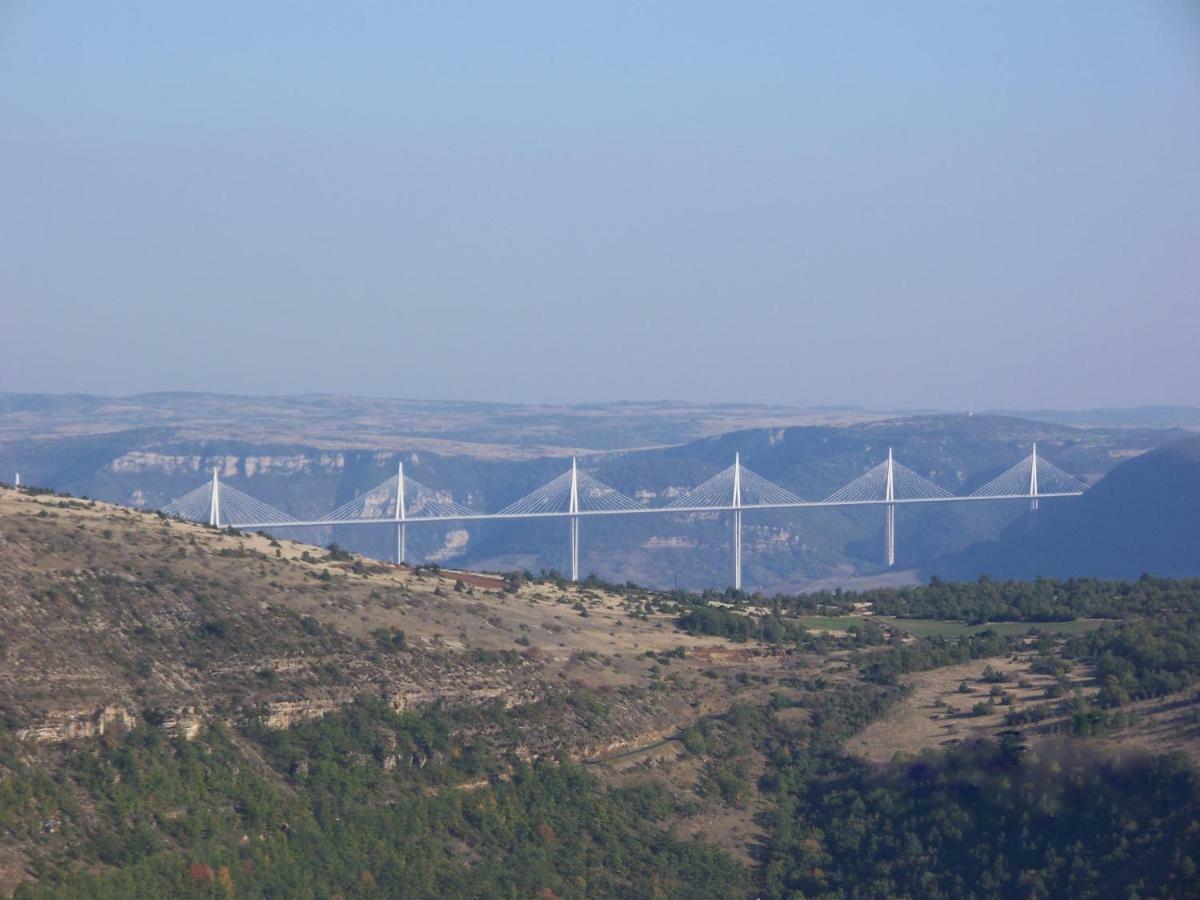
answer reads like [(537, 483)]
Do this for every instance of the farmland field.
[(827, 623)]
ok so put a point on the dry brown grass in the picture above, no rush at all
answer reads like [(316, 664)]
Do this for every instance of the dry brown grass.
[(1164, 724), (935, 715)]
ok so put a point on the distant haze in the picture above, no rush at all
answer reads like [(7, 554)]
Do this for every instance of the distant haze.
[(953, 205)]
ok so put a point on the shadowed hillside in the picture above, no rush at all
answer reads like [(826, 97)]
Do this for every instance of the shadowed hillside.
[(1144, 516)]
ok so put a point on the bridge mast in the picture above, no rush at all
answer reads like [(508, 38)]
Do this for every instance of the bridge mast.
[(890, 495), (574, 510), (1033, 487), (737, 521), (400, 514), (214, 508)]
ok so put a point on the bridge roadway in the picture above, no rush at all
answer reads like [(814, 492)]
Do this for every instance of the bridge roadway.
[(581, 514)]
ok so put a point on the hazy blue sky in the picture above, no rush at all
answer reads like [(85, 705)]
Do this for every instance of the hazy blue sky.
[(955, 204)]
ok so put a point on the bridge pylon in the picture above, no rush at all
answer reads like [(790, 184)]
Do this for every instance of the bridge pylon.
[(1033, 485), (573, 508), (737, 521), (890, 526), (1034, 477), (214, 508), (400, 516), (888, 483)]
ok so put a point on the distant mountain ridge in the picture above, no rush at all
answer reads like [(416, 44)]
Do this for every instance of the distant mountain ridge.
[(483, 429), (1144, 516), (1118, 417)]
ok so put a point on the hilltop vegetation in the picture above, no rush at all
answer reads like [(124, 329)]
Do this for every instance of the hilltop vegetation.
[(187, 712)]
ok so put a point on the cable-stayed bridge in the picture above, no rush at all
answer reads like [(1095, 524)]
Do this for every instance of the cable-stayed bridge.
[(574, 495)]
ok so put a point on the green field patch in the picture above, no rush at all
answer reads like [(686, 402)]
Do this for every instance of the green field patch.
[(827, 623), (937, 628)]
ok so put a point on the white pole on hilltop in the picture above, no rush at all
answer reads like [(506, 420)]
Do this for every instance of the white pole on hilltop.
[(890, 494), (400, 514), (214, 506), (737, 521), (574, 509), (17, 480)]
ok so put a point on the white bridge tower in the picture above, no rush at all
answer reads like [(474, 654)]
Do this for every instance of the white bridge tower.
[(214, 507), (573, 509), (737, 521), (890, 496), (1033, 487), (400, 514)]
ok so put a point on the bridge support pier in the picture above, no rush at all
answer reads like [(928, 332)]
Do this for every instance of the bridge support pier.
[(890, 537), (890, 526), (737, 522), (574, 548), (574, 508), (737, 550), (400, 515)]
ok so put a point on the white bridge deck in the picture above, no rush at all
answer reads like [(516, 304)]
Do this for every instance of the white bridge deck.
[(649, 510)]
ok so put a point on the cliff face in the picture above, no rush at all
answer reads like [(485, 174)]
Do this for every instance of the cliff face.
[(229, 465), (73, 723)]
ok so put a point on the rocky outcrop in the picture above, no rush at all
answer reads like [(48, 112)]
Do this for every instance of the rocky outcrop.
[(185, 724), (286, 713), (229, 465), (67, 725)]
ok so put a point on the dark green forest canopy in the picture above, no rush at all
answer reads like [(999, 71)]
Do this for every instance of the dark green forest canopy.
[(1043, 600), (1143, 658), (985, 821), (185, 819)]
